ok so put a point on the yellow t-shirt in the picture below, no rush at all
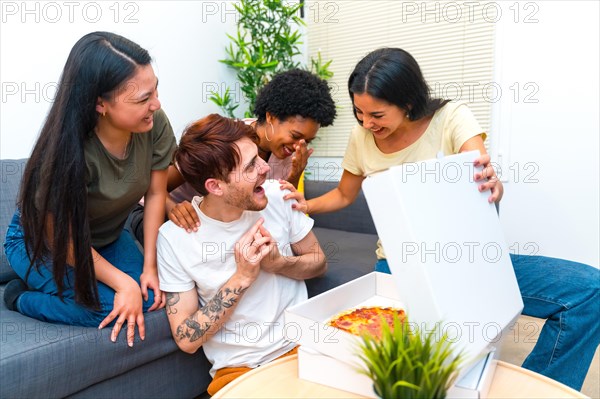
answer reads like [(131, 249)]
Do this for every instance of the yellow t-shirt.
[(451, 126)]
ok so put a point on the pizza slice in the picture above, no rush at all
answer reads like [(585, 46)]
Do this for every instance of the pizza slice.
[(366, 319)]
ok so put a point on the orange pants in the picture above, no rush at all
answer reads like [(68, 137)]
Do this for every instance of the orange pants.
[(227, 374)]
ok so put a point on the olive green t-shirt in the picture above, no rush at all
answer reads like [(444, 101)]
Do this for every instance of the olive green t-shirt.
[(115, 185)]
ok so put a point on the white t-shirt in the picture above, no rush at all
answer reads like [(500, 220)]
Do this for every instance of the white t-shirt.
[(205, 259)]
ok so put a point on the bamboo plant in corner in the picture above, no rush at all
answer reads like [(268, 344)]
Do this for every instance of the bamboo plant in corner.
[(407, 363)]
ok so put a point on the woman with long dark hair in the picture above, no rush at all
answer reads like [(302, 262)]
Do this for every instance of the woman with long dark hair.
[(399, 122), (104, 145)]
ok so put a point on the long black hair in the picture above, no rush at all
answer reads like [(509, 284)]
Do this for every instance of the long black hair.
[(393, 75), (53, 194)]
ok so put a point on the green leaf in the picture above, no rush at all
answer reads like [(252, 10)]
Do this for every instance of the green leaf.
[(299, 20), (405, 384), (409, 364), (269, 65)]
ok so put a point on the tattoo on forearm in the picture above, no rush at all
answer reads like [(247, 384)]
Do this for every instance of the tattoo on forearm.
[(192, 329), (222, 300), (172, 299)]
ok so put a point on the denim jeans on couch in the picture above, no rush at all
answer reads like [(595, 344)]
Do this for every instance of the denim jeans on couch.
[(42, 303), (567, 294)]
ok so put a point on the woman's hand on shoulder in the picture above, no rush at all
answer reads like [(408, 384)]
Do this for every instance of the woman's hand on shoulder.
[(301, 205), (184, 215), (488, 178), (127, 309)]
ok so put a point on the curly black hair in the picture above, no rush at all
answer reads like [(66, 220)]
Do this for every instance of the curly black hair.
[(296, 92)]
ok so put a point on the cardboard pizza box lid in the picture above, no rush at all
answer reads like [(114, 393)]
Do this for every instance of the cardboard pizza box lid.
[(446, 249)]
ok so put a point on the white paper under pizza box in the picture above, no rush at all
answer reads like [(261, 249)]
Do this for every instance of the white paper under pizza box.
[(446, 250), (322, 369)]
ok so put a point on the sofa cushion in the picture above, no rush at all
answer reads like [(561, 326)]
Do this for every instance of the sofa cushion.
[(177, 375), (11, 172), (349, 256), (38, 358), (355, 217)]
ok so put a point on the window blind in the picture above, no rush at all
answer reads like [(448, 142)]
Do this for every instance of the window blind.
[(453, 42)]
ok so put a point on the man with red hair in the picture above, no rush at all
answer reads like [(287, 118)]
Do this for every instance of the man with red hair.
[(229, 283)]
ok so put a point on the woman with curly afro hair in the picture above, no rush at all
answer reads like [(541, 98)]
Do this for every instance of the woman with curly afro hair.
[(290, 110)]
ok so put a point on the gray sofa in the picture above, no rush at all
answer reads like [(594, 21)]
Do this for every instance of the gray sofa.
[(45, 360)]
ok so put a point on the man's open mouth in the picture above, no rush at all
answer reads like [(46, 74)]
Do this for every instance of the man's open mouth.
[(259, 189)]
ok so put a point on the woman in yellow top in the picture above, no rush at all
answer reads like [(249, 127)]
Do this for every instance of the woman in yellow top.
[(399, 122)]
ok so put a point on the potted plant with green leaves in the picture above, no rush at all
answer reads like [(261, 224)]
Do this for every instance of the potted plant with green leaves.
[(267, 41), (409, 363)]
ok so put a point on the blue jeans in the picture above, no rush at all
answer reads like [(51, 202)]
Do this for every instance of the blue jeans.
[(567, 295), (43, 302)]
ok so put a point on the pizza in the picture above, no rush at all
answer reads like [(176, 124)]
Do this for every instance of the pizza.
[(366, 319)]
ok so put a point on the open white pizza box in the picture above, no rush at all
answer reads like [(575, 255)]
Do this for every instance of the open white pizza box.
[(450, 265)]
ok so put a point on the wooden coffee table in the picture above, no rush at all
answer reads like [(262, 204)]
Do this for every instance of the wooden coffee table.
[(279, 379)]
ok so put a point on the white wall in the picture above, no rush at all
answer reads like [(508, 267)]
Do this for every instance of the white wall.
[(185, 38), (549, 149)]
